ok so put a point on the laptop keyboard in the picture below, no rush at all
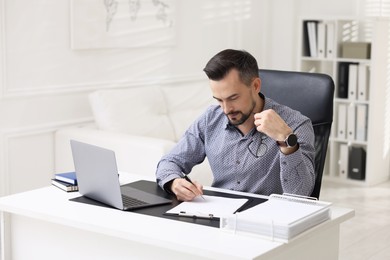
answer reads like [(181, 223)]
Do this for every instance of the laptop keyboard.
[(132, 202)]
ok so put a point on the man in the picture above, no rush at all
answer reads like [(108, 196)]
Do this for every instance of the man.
[(252, 143)]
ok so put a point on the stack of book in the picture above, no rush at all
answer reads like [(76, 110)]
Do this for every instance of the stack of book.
[(66, 181)]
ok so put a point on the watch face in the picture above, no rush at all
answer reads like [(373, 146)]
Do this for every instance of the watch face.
[(292, 140)]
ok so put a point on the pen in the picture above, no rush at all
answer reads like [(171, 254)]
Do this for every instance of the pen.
[(189, 180), (192, 215)]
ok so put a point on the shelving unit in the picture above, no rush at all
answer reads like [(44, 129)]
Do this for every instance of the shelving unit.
[(349, 110)]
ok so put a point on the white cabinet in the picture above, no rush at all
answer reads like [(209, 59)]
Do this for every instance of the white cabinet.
[(359, 146)]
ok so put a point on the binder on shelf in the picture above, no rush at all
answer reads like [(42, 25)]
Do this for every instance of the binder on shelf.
[(342, 121), (330, 50), (321, 40), (343, 71), (281, 218), (306, 47), (351, 119), (352, 80), (343, 161), (361, 123), (312, 33), (357, 163), (363, 81)]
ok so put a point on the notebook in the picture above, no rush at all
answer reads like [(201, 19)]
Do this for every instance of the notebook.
[(281, 218), (98, 179)]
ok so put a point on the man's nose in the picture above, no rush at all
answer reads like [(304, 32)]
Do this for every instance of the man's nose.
[(226, 107)]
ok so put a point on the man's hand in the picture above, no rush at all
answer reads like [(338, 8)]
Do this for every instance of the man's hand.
[(271, 124), (185, 190)]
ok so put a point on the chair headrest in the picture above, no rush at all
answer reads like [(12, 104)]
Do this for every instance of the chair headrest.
[(309, 93)]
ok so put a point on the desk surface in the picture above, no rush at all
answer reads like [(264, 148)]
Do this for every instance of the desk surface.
[(52, 205)]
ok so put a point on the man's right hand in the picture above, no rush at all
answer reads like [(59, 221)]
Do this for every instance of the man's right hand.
[(185, 190)]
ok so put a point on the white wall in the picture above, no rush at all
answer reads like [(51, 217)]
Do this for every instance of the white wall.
[(44, 83), (282, 24)]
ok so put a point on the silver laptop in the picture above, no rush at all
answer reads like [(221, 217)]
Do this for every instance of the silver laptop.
[(98, 179)]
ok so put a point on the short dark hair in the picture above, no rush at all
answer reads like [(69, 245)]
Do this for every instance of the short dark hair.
[(223, 62)]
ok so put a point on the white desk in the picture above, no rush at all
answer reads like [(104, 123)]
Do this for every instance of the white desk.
[(44, 224)]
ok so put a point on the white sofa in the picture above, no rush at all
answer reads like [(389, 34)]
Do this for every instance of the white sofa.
[(140, 124)]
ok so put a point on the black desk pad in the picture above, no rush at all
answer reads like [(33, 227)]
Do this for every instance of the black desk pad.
[(158, 211)]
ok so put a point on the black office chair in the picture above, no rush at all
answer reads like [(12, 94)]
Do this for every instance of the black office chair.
[(312, 95)]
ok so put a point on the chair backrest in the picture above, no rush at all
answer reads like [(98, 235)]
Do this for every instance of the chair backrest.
[(312, 95)]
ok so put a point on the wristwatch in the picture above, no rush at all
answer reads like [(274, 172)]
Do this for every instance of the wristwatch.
[(290, 141)]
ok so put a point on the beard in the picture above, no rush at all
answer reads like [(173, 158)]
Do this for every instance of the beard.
[(238, 117)]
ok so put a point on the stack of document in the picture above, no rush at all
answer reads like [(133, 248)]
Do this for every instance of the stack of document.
[(281, 218)]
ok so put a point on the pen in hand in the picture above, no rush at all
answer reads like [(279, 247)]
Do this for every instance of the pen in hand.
[(189, 180)]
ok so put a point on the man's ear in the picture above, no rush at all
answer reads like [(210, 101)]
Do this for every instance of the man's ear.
[(257, 85)]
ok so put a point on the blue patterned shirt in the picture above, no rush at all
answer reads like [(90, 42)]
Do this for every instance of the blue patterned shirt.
[(250, 163)]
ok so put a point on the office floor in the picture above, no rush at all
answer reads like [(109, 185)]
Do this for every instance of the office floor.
[(367, 235)]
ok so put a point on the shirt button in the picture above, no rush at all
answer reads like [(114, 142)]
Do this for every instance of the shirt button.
[(285, 180), (238, 182), (238, 162), (284, 163)]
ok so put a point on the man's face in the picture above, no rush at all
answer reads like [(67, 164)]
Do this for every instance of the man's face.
[(235, 98)]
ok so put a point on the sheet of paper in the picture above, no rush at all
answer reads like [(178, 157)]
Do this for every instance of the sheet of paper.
[(217, 206)]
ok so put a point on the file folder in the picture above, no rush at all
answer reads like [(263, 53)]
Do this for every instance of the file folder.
[(321, 39), (361, 123), (343, 71), (363, 82), (343, 161), (342, 121), (352, 81), (330, 50), (312, 31), (306, 44), (351, 122)]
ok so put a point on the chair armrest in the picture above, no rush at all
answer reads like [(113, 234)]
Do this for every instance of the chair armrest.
[(135, 154)]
